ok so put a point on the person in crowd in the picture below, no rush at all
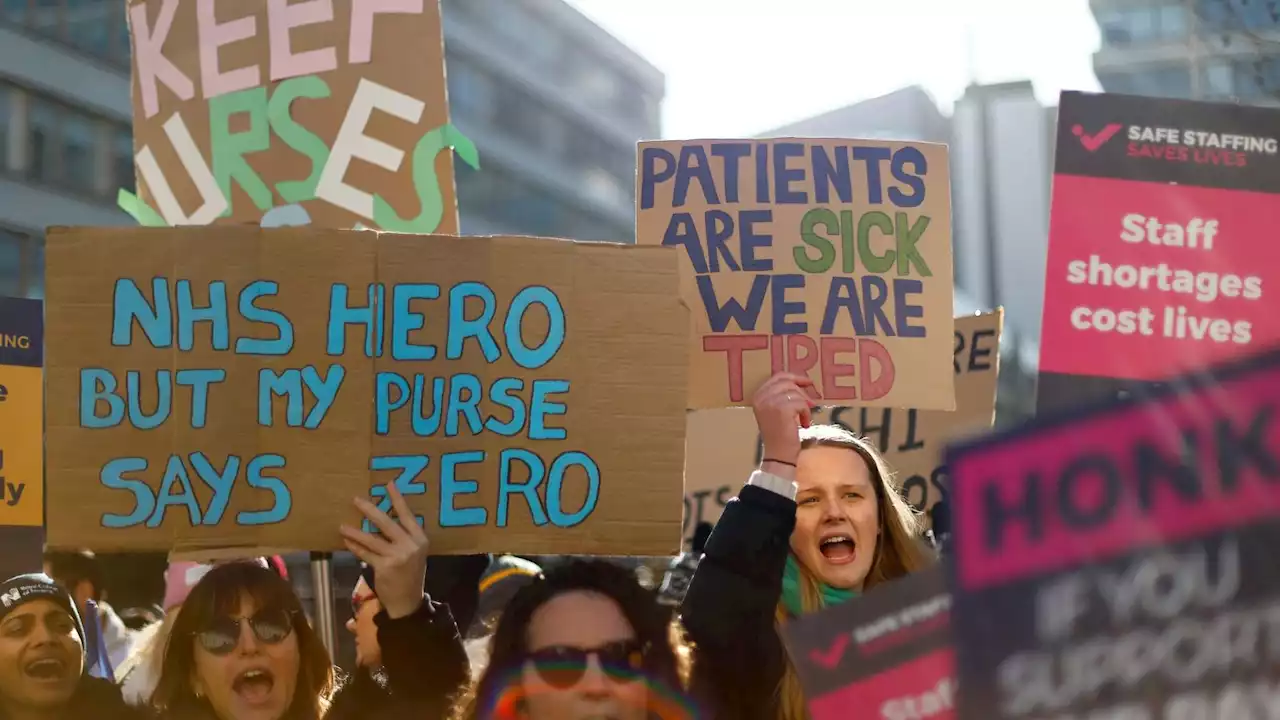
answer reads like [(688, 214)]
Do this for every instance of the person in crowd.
[(80, 573), (582, 641), (139, 673), (820, 521), (940, 519), (503, 578), (241, 647), (451, 580), (676, 580), (140, 618), (42, 660)]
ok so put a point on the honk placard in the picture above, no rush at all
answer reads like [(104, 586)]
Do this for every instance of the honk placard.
[(230, 387), (337, 107), (830, 258)]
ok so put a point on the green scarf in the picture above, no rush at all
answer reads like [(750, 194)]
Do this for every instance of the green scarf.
[(791, 590)]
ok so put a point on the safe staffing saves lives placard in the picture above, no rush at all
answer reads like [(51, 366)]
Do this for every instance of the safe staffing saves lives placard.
[(1121, 563), (1162, 257)]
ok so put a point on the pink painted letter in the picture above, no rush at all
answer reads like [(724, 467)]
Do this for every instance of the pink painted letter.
[(362, 13), (283, 17), (148, 44), (212, 36)]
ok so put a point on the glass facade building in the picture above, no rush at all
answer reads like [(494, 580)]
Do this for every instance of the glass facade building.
[(1223, 50)]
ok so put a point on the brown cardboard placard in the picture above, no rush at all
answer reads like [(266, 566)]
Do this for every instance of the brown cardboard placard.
[(337, 105), (722, 445), (549, 336), (830, 258)]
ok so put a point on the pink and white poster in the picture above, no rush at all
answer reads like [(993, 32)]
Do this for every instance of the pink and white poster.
[(1160, 259)]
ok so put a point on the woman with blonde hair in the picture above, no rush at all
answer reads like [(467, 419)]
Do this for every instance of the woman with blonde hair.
[(820, 521)]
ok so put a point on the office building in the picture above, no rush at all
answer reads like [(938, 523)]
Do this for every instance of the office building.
[(65, 139), (554, 103), (1193, 49)]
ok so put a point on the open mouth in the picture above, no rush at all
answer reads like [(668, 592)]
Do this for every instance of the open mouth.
[(45, 669), (837, 548), (254, 686)]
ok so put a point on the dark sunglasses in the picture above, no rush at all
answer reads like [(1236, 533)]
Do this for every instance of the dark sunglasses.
[(222, 635), (562, 667)]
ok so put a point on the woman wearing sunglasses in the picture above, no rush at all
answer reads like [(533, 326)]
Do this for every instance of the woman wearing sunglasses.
[(241, 647), (584, 640)]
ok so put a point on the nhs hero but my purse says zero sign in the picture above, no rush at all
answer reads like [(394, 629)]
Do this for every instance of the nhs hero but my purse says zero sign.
[(228, 387)]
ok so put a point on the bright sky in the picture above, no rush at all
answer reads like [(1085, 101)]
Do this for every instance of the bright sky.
[(739, 67)]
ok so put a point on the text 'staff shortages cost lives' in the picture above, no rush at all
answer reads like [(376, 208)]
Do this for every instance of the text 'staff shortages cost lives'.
[(828, 258), (886, 654), (1162, 256), (1122, 563), (223, 387)]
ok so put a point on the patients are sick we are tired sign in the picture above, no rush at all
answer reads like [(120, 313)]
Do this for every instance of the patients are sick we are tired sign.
[(336, 106), (234, 387), (829, 258)]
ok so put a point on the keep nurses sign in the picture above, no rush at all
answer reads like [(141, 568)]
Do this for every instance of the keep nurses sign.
[(826, 258), (243, 106), (227, 387)]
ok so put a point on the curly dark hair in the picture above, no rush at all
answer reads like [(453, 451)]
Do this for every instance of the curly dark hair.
[(667, 662), (218, 593)]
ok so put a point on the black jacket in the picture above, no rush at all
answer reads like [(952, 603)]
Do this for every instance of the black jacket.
[(423, 666), (97, 699), (729, 609)]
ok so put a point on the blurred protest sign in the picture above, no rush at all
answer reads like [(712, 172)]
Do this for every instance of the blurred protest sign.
[(722, 446), (830, 258), (1120, 561), (229, 387), (1158, 262), (21, 412), (886, 654), (21, 435), (336, 105)]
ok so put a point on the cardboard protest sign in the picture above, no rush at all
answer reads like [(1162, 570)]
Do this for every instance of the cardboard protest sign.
[(830, 258), (886, 654), (723, 446), (231, 387), (330, 112), (21, 412), (1157, 263), (1121, 562)]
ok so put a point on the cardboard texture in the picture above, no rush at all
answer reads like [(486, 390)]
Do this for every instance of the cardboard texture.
[(21, 412), (830, 258), (887, 654), (723, 445), (616, 341), (1105, 559), (245, 107)]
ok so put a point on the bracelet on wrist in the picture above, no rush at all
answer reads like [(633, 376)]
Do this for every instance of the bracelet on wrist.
[(780, 462)]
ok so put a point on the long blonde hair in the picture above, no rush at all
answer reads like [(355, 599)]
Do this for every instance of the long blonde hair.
[(899, 549)]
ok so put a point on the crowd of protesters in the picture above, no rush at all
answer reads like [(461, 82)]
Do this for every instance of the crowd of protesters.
[(485, 638)]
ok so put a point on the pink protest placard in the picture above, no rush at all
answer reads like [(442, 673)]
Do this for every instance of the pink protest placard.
[(1120, 562), (1159, 260)]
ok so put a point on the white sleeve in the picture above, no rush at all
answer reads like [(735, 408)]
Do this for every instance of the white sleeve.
[(768, 481)]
